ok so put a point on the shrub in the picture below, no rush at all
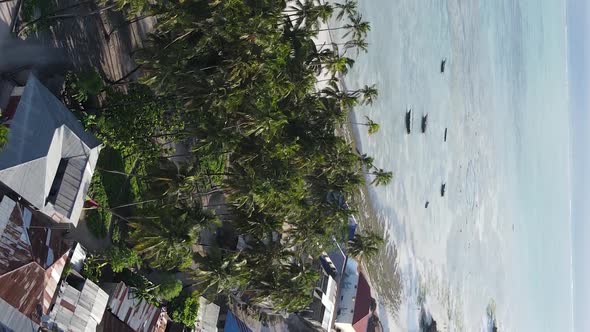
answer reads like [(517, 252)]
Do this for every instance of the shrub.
[(122, 258), (169, 289), (98, 220), (184, 308)]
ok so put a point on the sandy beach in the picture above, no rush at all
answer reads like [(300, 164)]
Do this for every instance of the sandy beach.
[(381, 271)]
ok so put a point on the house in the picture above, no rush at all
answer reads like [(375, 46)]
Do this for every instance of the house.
[(234, 324), (208, 316), (127, 312), (32, 258), (324, 295), (33, 295), (49, 159), (79, 306), (342, 299), (354, 303)]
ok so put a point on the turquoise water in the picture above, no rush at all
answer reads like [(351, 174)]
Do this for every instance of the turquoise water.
[(500, 238)]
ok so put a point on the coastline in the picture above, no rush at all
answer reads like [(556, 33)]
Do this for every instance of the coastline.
[(381, 271)]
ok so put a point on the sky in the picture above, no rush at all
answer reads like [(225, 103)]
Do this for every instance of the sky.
[(579, 87)]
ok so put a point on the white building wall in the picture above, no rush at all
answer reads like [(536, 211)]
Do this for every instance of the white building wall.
[(329, 302)]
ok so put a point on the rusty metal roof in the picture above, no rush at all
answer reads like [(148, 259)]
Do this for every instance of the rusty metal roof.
[(31, 289), (136, 313), (26, 236), (29, 273), (15, 250)]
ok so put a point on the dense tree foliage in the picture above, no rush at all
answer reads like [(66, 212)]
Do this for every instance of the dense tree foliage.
[(237, 80)]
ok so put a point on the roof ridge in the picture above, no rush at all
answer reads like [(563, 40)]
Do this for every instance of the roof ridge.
[(21, 164), (21, 267)]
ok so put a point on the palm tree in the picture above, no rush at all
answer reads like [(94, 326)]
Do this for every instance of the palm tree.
[(381, 177), (365, 159), (219, 272), (372, 126), (348, 8), (339, 65), (368, 94), (346, 101), (364, 245), (356, 28), (165, 241), (310, 13), (359, 43)]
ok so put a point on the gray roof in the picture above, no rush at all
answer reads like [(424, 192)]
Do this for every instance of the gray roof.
[(14, 320), (42, 133), (207, 316), (79, 311)]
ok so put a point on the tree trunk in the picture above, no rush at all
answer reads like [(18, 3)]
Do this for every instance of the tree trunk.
[(134, 175), (330, 29), (126, 23), (117, 82), (52, 15), (133, 204)]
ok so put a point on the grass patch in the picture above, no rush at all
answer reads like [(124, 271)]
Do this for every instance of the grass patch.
[(98, 220), (114, 184), (108, 190)]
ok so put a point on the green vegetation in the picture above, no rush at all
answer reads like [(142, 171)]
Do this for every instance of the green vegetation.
[(81, 86), (184, 308), (121, 258), (365, 245), (169, 289), (236, 82), (98, 219), (3, 136), (93, 265)]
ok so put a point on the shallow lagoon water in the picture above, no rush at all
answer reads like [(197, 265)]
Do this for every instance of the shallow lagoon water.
[(500, 239)]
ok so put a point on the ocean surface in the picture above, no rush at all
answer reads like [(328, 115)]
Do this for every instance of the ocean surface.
[(499, 242)]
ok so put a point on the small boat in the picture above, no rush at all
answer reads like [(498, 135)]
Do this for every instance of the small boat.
[(426, 205), (445, 134), (442, 65), (442, 189), (409, 120), (424, 122)]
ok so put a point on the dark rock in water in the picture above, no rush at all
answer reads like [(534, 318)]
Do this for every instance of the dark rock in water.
[(442, 65), (427, 323), (442, 189), (373, 305), (445, 134), (424, 122), (409, 120), (426, 205)]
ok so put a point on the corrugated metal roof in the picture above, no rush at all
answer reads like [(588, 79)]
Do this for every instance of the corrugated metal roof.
[(111, 323), (207, 316), (67, 187), (79, 311), (24, 238), (31, 289), (42, 133), (136, 313), (14, 319), (234, 324), (15, 250), (78, 257)]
